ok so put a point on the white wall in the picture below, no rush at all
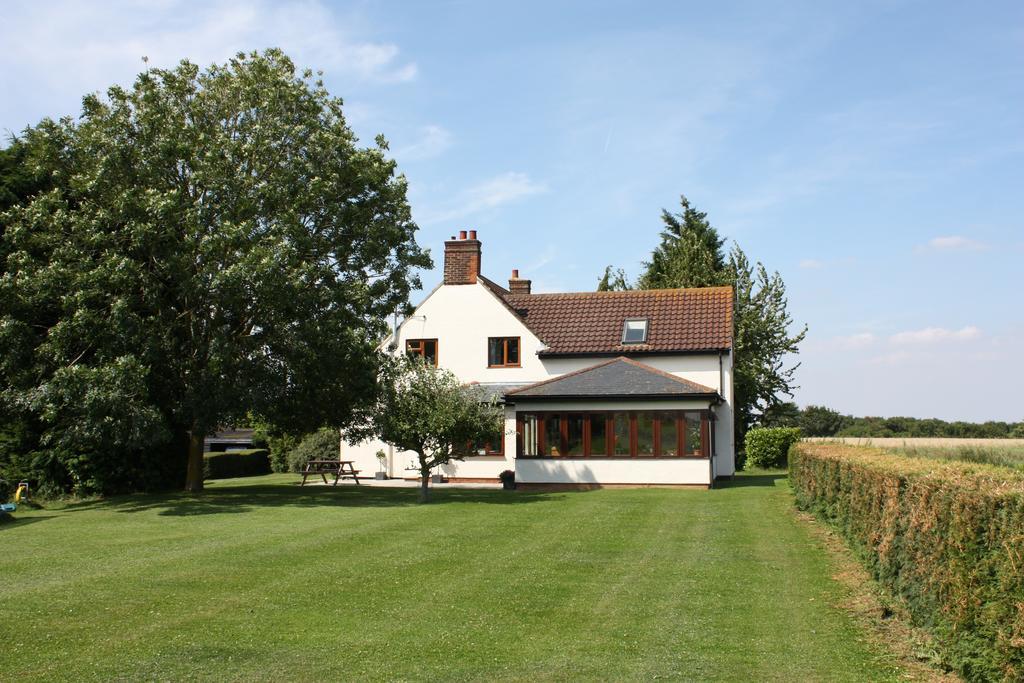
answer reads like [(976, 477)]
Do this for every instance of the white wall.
[(615, 404), (461, 318), (694, 471), (699, 368), (400, 462)]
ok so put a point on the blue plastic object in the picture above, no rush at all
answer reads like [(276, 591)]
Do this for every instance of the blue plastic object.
[(8, 507)]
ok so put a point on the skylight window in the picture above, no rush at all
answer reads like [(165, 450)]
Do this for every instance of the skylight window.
[(634, 331)]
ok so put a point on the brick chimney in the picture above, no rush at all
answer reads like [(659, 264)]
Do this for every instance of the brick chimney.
[(462, 259), (517, 285)]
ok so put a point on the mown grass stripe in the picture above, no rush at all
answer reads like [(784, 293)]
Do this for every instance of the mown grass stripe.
[(260, 580)]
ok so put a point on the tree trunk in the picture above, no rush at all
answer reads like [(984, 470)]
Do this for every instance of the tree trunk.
[(194, 474), (424, 487), (424, 477)]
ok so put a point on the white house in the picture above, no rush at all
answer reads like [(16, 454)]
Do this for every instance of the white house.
[(599, 388)]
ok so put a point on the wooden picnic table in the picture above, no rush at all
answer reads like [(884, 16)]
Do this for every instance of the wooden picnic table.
[(341, 469)]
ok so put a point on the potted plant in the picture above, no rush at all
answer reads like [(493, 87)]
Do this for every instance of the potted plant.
[(382, 459), (508, 480)]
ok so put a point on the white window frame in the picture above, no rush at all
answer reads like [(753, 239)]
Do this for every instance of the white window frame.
[(625, 330)]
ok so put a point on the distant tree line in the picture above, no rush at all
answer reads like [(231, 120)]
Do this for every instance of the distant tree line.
[(822, 421)]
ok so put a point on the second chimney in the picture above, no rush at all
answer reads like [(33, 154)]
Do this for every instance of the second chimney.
[(516, 285), (462, 259)]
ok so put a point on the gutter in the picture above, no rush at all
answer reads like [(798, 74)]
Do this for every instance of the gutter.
[(721, 374), (630, 352)]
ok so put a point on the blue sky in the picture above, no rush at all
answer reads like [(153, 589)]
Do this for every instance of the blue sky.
[(871, 152)]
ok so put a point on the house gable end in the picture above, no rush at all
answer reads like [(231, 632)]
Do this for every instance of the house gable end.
[(463, 318)]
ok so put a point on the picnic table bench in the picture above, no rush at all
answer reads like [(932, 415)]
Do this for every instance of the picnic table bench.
[(341, 469)]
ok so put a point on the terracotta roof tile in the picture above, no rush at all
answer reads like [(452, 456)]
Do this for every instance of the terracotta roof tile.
[(680, 320)]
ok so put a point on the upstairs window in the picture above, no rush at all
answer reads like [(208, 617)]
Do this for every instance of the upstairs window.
[(634, 331), (503, 352), (422, 348)]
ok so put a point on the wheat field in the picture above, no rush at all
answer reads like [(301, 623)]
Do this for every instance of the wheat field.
[(1004, 452)]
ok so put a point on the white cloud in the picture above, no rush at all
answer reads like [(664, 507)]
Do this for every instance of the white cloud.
[(931, 335), (434, 140), (855, 341), (955, 243), (487, 195), (54, 52), (502, 189), (893, 358), (811, 264)]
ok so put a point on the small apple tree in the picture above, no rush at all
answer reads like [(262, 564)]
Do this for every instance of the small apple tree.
[(426, 410)]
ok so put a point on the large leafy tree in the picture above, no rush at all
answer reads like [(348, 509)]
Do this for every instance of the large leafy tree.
[(782, 414), (19, 434), (215, 241), (821, 421), (613, 280), (19, 180), (692, 254), (427, 410)]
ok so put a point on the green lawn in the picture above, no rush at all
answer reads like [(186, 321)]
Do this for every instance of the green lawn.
[(260, 580)]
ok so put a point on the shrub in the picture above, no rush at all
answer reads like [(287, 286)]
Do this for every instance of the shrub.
[(322, 444), (278, 442), (946, 537), (768, 446), (22, 458), (281, 447), (55, 471), (246, 463)]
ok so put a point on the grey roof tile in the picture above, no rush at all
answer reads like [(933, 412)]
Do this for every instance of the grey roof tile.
[(619, 377)]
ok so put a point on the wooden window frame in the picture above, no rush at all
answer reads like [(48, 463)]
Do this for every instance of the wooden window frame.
[(584, 436), (705, 434), (679, 420), (679, 417), (542, 434), (489, 452), (422, 352), (504, 350), (610, 416)]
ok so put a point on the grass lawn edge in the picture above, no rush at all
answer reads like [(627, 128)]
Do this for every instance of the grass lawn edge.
[(881, 615)]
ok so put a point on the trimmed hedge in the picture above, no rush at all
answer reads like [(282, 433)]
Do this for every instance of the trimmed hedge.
[(768, 446), (946, 537), (244, 463)]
